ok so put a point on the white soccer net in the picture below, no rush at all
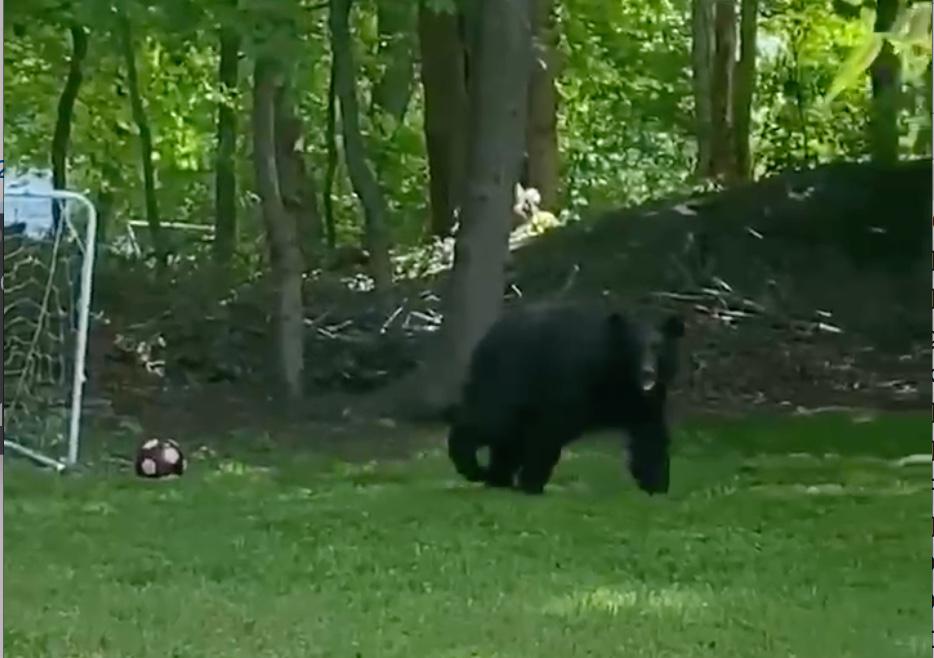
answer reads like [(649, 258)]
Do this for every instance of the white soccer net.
[(48, 263)]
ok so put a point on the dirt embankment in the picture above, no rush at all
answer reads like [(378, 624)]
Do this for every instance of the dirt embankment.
[(808, 288)]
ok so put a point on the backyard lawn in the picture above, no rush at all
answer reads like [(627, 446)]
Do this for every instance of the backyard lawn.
[(794, 536)]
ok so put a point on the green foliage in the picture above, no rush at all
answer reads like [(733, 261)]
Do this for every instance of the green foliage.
[(803, 44), (625, 127), (910, 36), (625, 116)]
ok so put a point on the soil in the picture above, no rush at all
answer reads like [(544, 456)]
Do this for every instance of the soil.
[(784, 312)]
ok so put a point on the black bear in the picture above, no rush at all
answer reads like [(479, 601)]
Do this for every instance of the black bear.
[(545, 374)]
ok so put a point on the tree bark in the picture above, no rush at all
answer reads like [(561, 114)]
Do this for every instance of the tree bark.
[(745, 85), (396, 27), (330, 140), (285, 255), (145, 139), (225, 186), (885, 75), (922, 145), (500, 72), (66, 108), (296, 184), (702, 42), (724, 65), (445, 114), (362, 179), (543, 156)]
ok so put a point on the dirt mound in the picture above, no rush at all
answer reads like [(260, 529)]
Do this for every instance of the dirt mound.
[(803, 289), (847, 240)]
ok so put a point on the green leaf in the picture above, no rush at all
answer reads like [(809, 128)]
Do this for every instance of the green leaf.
[(855, 65)]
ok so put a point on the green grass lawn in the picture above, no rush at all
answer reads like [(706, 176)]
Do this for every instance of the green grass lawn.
[(758, 551)]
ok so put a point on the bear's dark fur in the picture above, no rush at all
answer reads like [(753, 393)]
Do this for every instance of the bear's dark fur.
[(545, 374)]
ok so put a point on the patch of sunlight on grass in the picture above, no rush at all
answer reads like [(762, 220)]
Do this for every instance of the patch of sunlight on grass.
[(231, 468), (837, 489), (673, 600)]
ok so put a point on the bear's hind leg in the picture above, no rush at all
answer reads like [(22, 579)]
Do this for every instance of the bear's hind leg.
[(505, 459)]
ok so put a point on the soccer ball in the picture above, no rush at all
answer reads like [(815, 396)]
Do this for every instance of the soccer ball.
[(159, 458)]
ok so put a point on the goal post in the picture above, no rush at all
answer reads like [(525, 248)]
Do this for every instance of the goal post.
[(45, 337)]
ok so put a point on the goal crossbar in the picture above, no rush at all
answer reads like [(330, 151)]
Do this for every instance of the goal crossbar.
[(84, 312)]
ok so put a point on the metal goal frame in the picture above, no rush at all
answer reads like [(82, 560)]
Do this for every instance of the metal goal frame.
[(81, 342)]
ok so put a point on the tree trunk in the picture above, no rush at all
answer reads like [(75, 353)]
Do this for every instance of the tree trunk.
[(885, 74), (296, 185), (745, 86), (330, 140), (922, 145), (500, 73), (145, 139), (724, 65), (543, 154), (225, 187), (364, 182), (446, 105), (285, 255), (396, 28), (66, 108), (702, 68), (104, 205)]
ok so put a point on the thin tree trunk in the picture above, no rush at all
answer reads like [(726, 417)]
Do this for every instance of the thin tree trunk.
[(885, 74), (446, 107), (396, 27), (500, 72), (330, 140), (145, 139), (110, 176), (724, 65), (745, 86), (543, 155), (922, 145), (225, 187), (296, 184), (361, 177), (285, 255), (104, 205), (800, 101), (66, 109), (702, 67)]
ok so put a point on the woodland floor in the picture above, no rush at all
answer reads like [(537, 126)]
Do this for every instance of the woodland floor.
[(785, 314), (781, 536)]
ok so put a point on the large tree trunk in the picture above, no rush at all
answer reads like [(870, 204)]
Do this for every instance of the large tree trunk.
[(145, 138), (225, 183), (284, 251), (445, 88), (396, 28), (296, 184), (745, 85), (543, 155), (885, 74), (361, 177), (702, 41), (499, 78), (724, 66), (66, 109)]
